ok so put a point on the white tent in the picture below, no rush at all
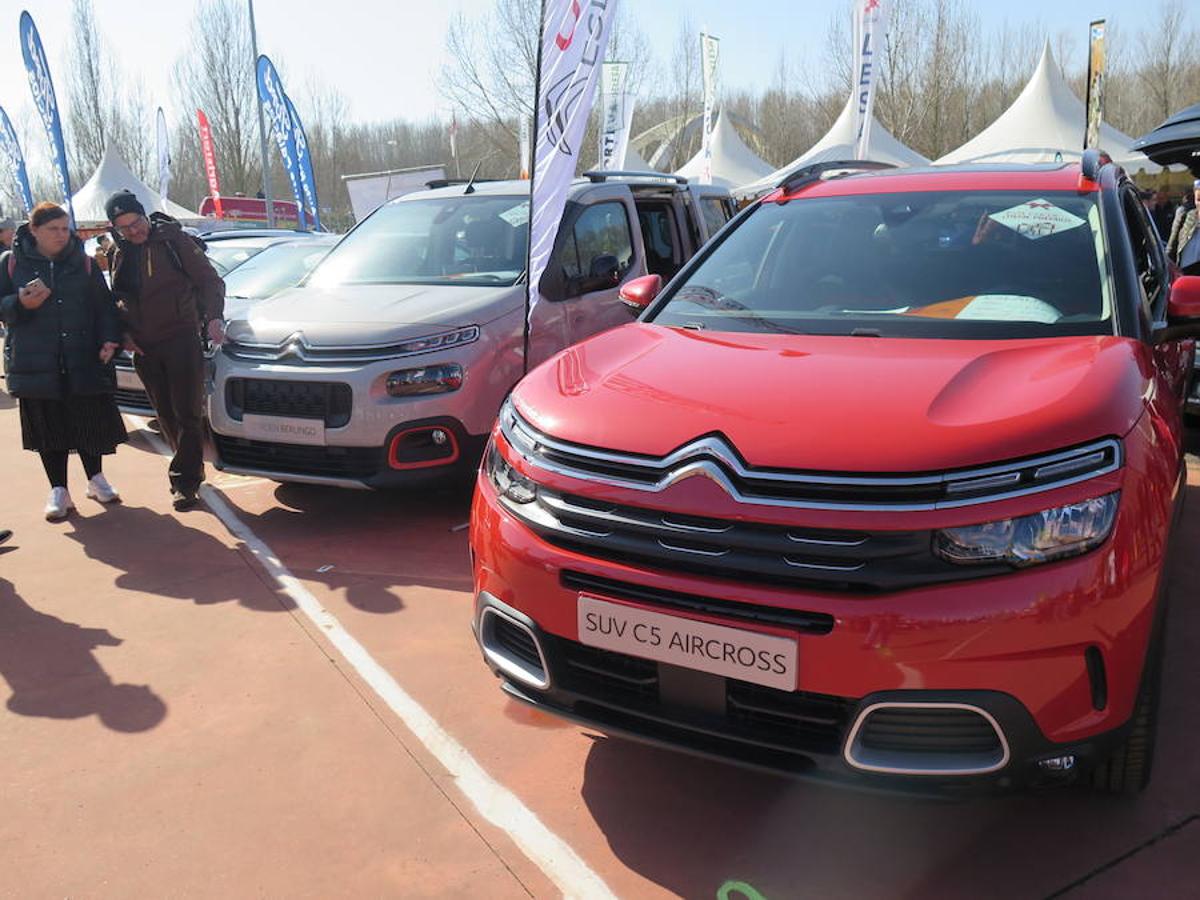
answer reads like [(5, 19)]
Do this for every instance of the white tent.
[(1045, 124), (634, 161), (113, 175), (733, 163), (840, 143)]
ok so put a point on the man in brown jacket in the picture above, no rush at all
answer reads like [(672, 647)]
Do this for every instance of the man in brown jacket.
[(168, 291)]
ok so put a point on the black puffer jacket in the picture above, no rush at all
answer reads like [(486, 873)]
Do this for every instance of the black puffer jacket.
[(55, 348)]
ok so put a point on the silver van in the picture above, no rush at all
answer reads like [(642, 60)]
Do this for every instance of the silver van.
[(388, 364)]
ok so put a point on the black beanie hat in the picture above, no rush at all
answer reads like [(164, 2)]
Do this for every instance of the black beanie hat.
[(123, 202)]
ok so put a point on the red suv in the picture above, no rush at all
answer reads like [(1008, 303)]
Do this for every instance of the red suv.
[(880, 488)]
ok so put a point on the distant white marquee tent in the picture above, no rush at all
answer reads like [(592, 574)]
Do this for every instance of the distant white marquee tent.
[(1045, 124), (112, 175), (840, 143), (733, 163)]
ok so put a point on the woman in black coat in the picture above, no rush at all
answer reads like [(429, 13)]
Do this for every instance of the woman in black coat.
[(63, 330)]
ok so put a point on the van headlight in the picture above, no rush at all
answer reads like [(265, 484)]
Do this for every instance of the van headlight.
[(507, 481), (1042, 537)]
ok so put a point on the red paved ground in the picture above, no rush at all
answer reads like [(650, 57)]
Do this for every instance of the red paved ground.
[(216, 749)]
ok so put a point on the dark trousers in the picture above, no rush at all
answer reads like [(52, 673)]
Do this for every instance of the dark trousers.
[(173, 373)]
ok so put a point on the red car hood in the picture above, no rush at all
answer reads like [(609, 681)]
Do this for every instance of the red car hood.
[(848, 404)]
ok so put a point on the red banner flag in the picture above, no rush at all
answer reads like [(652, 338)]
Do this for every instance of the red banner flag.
[(210, 162)]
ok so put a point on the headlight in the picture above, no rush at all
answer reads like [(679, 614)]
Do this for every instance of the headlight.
[(440, 379), (439, 341), (507, 481), (1044, 536)]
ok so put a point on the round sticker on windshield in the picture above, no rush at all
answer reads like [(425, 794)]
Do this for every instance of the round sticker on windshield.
[(1037, 219)]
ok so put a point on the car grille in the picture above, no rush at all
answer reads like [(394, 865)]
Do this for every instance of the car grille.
[(715, 457), (676, 601), (295, 459), (843, 561), (793, 721), (331, 402), (134, 400)]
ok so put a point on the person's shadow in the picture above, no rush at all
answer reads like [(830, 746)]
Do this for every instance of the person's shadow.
[(52, 673), (158, 554)]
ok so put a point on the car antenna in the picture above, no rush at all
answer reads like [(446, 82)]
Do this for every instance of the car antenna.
[(470, 188)]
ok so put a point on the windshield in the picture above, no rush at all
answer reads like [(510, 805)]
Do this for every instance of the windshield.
[(474, 240), (228, 255), (947, 264), (273, 269)]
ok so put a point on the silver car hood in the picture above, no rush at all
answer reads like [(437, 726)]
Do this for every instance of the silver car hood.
[(375, 314)]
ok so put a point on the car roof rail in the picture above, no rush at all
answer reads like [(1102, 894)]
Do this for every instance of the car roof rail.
[(450, 182), (597, 176), (808, 174), (1093, 161)]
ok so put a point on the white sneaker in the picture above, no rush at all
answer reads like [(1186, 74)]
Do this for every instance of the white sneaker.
[(100, 490), (58, 505)]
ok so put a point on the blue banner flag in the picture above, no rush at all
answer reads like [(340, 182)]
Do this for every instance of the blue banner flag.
[(275, 105), (308, 181), (10, 152), (46, 103)]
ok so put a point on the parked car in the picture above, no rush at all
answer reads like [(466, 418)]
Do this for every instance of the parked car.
[(880, 488), (229, 249), (389, 364), (281, 261)]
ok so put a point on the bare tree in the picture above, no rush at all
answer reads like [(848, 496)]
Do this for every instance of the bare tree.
[(105, 108), (216, 74), (1168, 48)]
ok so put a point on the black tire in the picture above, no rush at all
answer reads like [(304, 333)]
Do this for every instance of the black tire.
[(1127, 770)]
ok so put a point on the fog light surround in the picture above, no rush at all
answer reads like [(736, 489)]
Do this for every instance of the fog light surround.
[(441, 378)]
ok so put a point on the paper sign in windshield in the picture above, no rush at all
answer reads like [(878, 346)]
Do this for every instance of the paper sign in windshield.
[(1010, 308), (1037, 219), (517, 216)]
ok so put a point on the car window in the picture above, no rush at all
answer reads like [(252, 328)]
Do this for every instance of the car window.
[(228, 255), (601, 230), (961, 264), (715, 214), (660, 237), (477, 239), (1147, 254), (273, 270)]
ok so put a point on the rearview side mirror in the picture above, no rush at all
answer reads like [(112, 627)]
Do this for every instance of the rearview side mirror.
[(1183, 311), (640, 292)]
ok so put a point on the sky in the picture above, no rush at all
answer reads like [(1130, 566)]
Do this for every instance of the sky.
[(385, 55)]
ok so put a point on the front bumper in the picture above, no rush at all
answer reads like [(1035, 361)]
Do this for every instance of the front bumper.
[(359, 449), (1014, 648)]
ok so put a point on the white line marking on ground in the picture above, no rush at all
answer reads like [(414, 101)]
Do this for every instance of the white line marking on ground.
[(496, 803)]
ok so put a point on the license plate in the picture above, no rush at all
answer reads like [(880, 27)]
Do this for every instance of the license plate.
[(745, 655), (283, 430)]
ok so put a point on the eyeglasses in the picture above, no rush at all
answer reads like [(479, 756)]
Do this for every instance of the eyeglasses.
[(135, 225)]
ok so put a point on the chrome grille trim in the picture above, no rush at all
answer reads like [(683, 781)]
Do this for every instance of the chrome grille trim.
[(713, 458)]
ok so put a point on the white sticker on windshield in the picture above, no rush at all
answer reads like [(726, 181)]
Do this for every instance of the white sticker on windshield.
[(517, 216), (1009, 308), (1037, 219)]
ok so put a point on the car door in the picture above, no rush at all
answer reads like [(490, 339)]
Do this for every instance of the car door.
[(600, 236), (1172, 358)]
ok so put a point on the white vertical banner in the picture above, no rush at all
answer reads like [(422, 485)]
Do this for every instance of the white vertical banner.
[(710, 51), (621, 150), (164, 156), (574, 36), (870, 29), (523, 146), (612, 114)]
